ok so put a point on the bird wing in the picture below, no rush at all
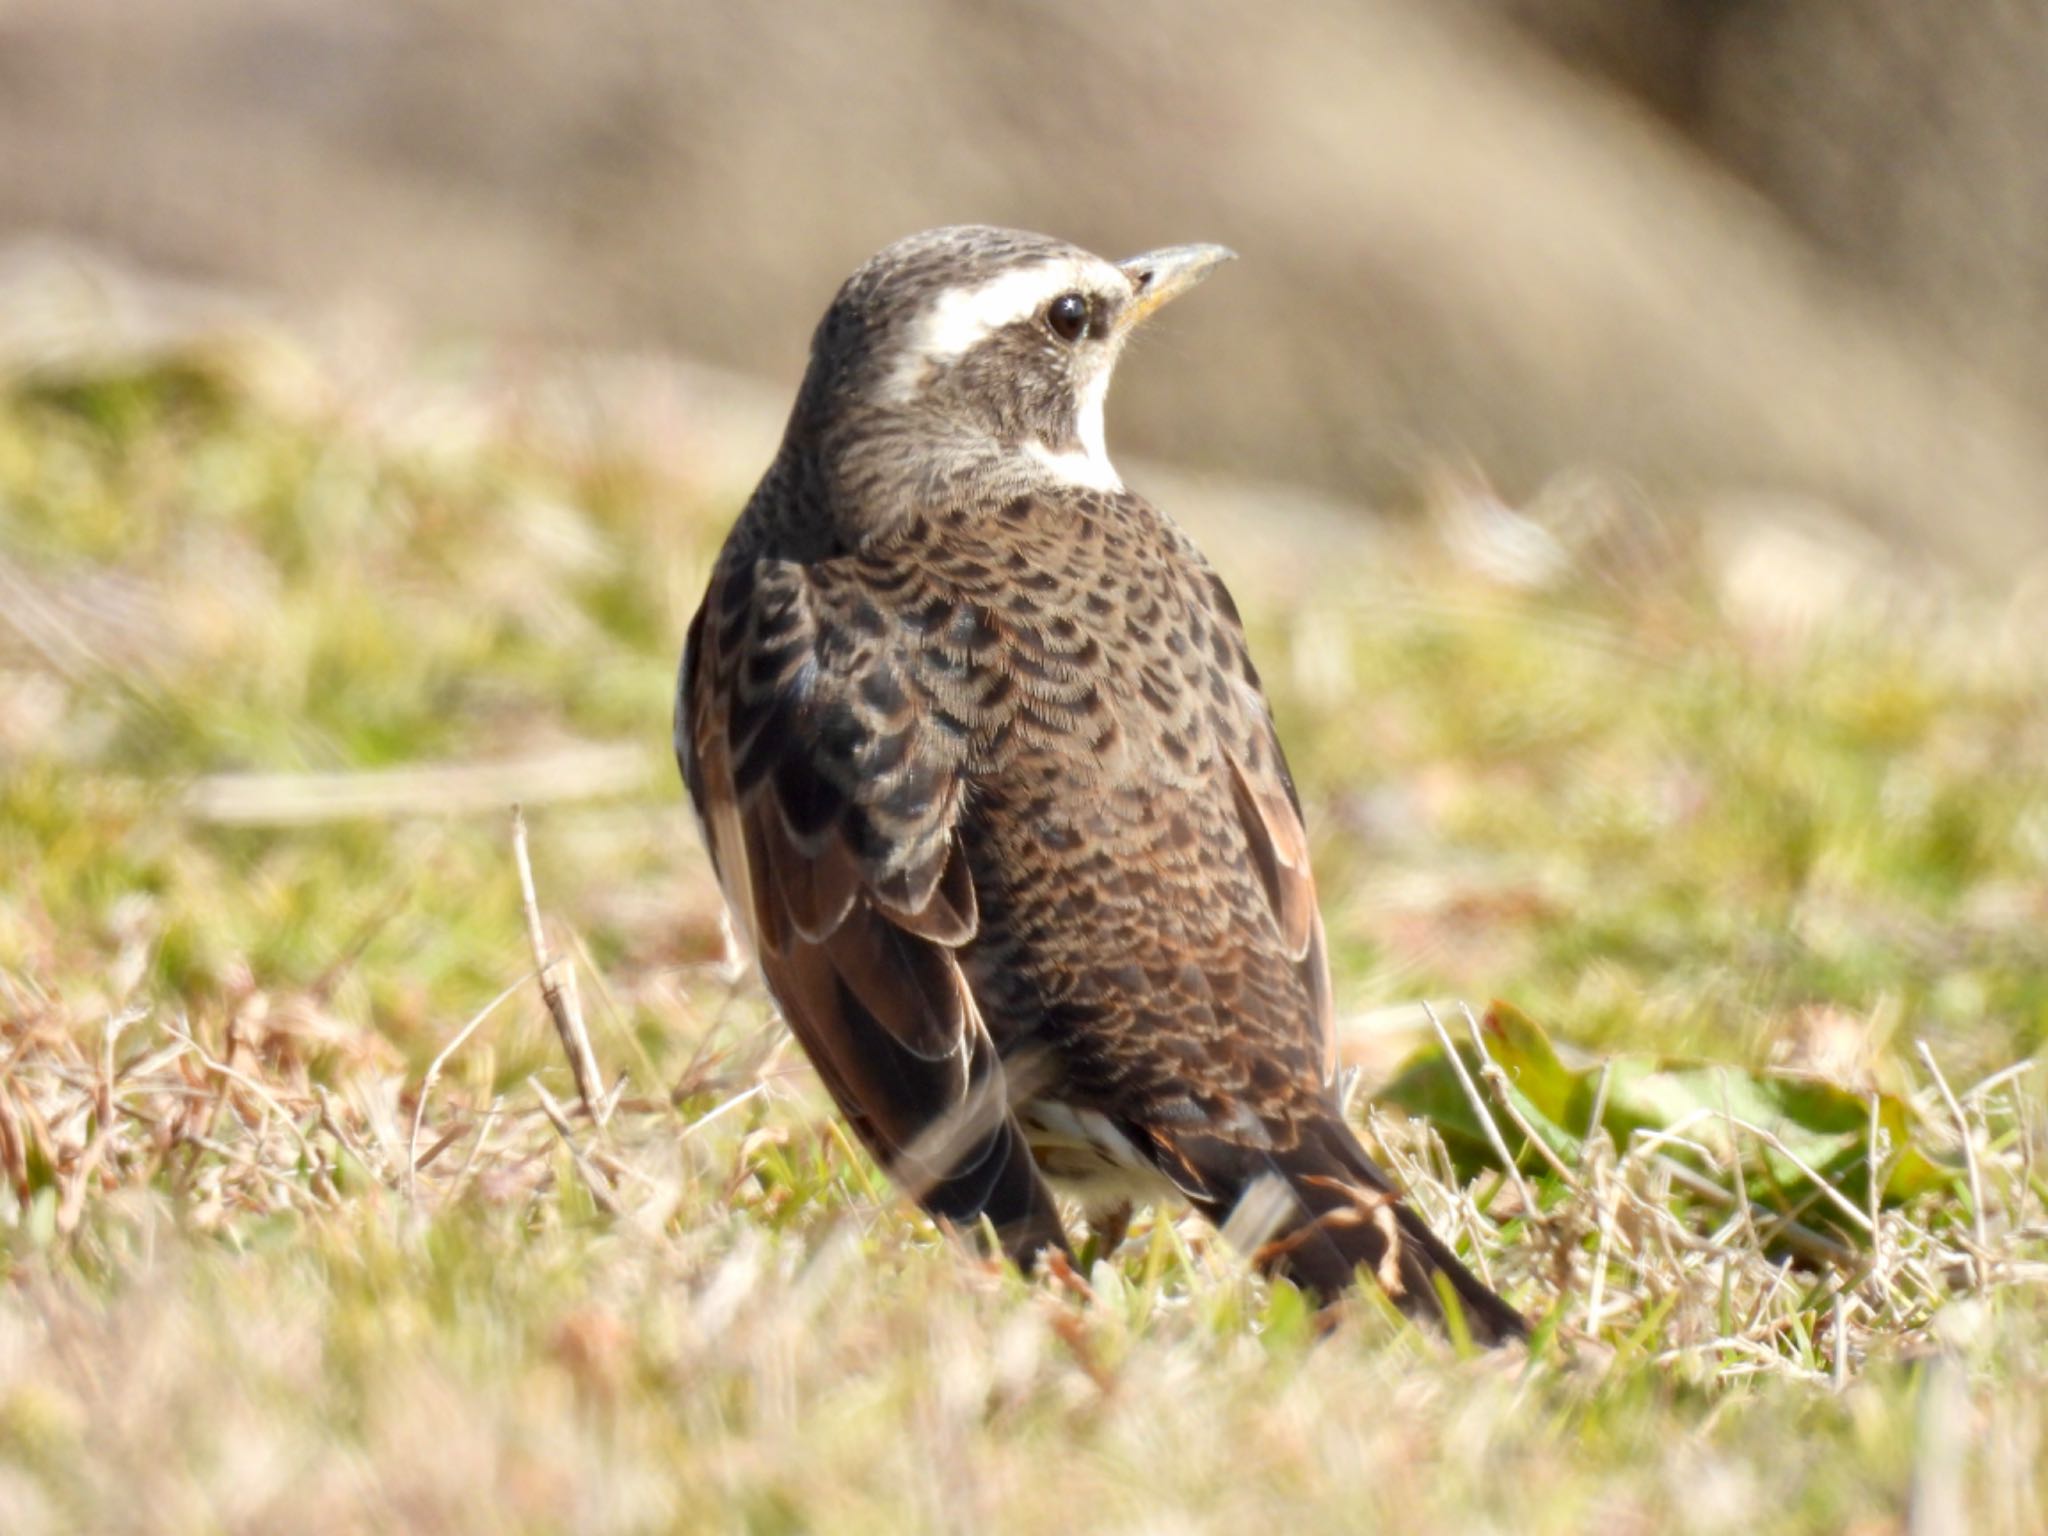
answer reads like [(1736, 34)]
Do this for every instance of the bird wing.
[(1277, 840), (1269, 811), (830, 804), (1346, 1212)]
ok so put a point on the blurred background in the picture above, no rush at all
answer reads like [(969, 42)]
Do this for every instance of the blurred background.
[(1748, 259), (1622, 438)]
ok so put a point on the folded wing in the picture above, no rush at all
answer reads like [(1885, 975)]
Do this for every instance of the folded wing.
[(830, 804)]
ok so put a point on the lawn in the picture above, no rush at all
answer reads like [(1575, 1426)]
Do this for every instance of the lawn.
[(305, 1224)]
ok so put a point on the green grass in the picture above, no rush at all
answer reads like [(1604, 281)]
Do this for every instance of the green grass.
[(1625, 803)]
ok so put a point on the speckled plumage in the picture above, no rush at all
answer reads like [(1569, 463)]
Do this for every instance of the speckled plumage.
[(990, 784)]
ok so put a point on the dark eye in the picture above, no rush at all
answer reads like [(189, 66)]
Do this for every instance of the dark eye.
[(1068, 316)]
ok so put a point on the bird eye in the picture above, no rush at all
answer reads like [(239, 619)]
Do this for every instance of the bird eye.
[(1068, 316)]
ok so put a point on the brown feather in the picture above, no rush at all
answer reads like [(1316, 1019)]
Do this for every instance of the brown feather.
[(986, 768), (1278, 844), (855, 943), (948, 914)]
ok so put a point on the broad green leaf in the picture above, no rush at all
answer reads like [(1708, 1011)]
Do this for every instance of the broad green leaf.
[(1812, 1129)]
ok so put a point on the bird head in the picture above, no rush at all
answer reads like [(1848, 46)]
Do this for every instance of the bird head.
[(972, 347)]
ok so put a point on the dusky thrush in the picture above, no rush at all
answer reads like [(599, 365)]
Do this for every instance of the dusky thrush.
[(994, 794)]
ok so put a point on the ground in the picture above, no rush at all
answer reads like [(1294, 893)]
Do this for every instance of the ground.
[(304, 1225)]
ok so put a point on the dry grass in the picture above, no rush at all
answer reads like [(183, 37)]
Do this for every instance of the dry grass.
[(306, 1220), (241, 1297)]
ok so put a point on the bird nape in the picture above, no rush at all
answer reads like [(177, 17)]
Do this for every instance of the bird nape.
[(993, 791)]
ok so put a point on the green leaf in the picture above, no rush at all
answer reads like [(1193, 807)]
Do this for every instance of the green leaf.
[(1820, 1129)]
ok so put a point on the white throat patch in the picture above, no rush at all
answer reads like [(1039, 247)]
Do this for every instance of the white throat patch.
[(1076, 468), (1089, 464)]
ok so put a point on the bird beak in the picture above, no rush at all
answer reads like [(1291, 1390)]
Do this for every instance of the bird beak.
[(1158, 276)]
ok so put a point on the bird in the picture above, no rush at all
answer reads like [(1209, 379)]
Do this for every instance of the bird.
[(995, 798)]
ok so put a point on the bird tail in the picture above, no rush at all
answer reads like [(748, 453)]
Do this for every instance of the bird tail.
[(1343, 1215), (1350, 1217)]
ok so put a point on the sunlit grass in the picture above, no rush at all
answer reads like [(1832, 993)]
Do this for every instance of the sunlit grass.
[(228, 1303)]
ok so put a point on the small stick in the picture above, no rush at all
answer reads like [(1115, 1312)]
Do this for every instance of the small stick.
[(1828, 1191), (1478, 1102), (103, 1090), (447, 1139), (592, 1179), (1608, 1195), (1596, 1120), (608, 1008), (1497, 1080), (611, 1099), (485, 1124), (1840, 1363), (1999, 1079), (13, 1147), (264, 1096), (1740, 1179), (330, 1122), (1980, 1259), (1802, 1240), (1765, 1296), (558, 993), (2023, 1117), (710, 1115), (419, 1106), (79, 1182)]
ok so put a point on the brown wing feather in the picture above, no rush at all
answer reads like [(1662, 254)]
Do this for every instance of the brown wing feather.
[(829, 806), (1277, 841), (1279, 849)]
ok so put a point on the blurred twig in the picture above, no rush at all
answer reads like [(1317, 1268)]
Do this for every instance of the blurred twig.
[(419, 1109), (435, 789), (1980, 1256), (1479, 1109), (559, 990)]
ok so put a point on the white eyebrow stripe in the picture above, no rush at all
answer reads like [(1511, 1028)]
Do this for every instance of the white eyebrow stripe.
[(964, 317)]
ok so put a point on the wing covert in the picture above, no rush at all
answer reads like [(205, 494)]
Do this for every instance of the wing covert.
[(830, 806)]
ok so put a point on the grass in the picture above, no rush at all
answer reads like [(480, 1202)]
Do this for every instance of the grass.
[(275, 656)]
